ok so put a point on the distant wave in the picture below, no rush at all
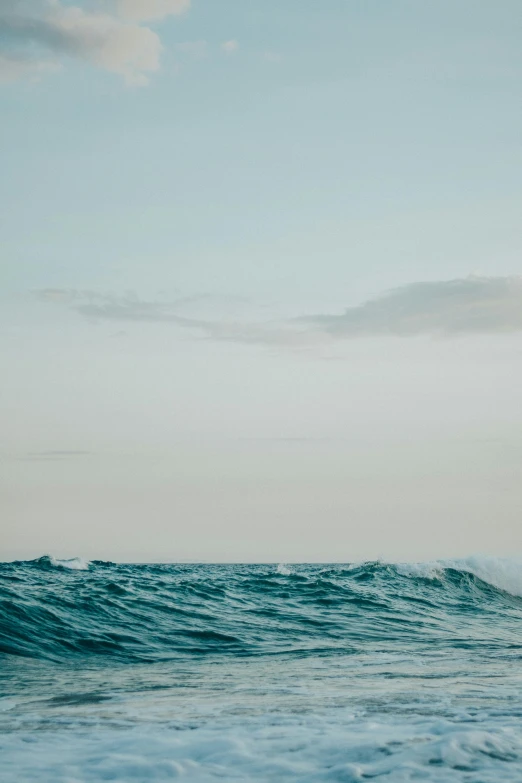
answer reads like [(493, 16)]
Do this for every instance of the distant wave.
[(56, 609), (74, 563), (49, 563)]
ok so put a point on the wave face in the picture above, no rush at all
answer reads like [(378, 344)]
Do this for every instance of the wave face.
[(59, 609), (261, 672)]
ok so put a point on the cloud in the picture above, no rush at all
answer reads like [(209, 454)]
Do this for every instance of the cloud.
[(129, 308), (148, 10), (488, 305), (36, 35), (474, 305), (229, 47), (54, 455), (67, 295)]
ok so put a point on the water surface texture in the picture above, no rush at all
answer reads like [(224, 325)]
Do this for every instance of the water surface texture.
[(260, 672)]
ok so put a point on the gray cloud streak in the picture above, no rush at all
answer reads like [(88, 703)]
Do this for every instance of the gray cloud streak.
[(54, 455), (474, 305), (488, 305), (165, 312), (108, 307)]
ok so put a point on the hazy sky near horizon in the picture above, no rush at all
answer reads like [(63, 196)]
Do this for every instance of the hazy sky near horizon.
[(260, 293)]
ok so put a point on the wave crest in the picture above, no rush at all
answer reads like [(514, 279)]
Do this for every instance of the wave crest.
[(503, 573), (73, 563)]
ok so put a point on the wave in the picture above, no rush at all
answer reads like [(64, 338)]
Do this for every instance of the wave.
[(74, 563), (502, 573), (50, 563), (61, 609)]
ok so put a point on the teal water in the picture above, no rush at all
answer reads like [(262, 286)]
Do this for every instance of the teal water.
[(397, 672)]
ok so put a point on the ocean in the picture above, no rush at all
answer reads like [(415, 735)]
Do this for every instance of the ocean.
[(372, 671)]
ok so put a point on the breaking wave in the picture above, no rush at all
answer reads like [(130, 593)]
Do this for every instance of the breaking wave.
[(74, 563), (57, 609)]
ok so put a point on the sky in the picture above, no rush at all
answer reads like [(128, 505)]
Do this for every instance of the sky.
[(260, 279)]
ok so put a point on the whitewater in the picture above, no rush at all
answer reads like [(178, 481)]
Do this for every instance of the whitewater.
[(372, 671)]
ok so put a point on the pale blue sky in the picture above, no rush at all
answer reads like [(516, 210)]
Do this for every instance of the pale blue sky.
[(382, 147), (284, 159)]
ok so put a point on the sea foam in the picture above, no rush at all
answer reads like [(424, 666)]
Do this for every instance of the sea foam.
[(503, 573), (73, 563)]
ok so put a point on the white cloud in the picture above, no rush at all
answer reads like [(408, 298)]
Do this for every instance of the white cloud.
[(103, 40), (36, 36), (229, 47)]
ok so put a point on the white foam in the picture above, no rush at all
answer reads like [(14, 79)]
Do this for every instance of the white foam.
[(429, 570), (503, 573), (283, 569), (500, 572), (74, 563), (307, 750)]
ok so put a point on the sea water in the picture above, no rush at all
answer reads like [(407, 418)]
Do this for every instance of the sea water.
[(281, 673)]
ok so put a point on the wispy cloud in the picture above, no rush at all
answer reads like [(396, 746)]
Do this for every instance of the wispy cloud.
[(471, 305), (53, 455), (38, 35), (474, 305), (129, 308)]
